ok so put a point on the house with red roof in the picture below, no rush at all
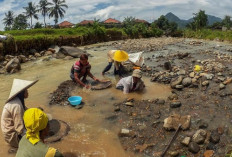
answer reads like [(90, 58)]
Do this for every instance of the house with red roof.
[(141, 21), (111, 21), (66, 24), (86, 22)]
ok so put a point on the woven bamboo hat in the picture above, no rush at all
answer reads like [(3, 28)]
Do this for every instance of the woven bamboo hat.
[(120, 56), (18, 86)]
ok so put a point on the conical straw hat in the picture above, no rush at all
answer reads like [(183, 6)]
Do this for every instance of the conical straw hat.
[(18, 86), (120, 56)]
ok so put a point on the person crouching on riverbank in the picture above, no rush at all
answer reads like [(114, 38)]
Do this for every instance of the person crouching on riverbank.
[(116, 57), (81, 69), (131, 83), (12, 115), (32, 144)]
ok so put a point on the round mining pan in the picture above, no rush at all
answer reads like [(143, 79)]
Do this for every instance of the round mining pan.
[(57, 130)]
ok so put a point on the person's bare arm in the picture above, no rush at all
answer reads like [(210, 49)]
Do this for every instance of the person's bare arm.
[(78, 80)]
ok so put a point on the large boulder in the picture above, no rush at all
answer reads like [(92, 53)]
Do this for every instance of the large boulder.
[(13, 65), (72, 51)]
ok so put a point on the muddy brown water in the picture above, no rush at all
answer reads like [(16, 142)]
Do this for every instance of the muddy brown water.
[(91, 133)]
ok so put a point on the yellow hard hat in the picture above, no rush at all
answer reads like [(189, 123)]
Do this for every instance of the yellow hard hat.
[(120, 56), (197, 68)]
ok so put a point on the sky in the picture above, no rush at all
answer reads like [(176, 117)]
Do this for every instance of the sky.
[(149, 10)]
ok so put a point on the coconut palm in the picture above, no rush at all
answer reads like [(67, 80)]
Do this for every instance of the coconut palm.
[(44, 8), (57, 10), (31, 11), (9, 19)]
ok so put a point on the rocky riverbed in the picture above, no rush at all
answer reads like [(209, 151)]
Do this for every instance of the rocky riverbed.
[(200, 100)]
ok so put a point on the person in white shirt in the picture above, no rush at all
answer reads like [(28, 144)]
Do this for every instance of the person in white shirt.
[(131, 83)]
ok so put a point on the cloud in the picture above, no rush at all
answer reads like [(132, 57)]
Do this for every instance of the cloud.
[(145, 9)]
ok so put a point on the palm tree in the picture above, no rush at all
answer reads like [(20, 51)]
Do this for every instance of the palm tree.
[(58, 9), (31, 11), (44, 9), (9, 19)]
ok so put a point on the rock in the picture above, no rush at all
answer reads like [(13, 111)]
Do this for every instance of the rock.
[(175, 104), (173, 121), (37, 54), (222, 86), (214, 137), (13, 66), (176, 81), (186, 81), (211, 146), (4, 63), (207, 76), (193, 147), (208, 153), (205, 83), (186, 141), (48, 53), (52, 50), (68, 58), (192, 74), (221, 78), (22, 59), (173, 153), (199, 136), (194, 80), (160, 101), (173, 97), (181, 72), (129, 104), (227, 81), (179, 86), (124, 133), (72, 51)]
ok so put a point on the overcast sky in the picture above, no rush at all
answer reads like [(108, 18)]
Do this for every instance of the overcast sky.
[(143, 9)]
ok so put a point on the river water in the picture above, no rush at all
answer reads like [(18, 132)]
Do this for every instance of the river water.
[(91, 134)]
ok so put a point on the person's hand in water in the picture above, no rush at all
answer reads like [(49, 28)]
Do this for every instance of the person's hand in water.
[(87, 86)]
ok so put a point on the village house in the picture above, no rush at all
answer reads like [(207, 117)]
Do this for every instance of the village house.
[(66, 24), (109, 23), (86, 22)]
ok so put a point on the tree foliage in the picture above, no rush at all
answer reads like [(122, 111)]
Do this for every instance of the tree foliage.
[(200, 20), (20, 22), (31, 11), (8, 20), (227, 22), (44, 8), (57, 10)]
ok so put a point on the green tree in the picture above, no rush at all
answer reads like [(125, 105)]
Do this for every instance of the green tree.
[(128, 21), (20, 22), (57, 10), (31, 11), (44, 8), (200, 19), (38, 25), (162, 22), (8, 20), (227, 22)]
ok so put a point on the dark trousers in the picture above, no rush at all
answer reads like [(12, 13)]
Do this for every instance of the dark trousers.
[(116, 72)]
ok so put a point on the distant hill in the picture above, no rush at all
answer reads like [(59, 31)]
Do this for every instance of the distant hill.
[(182, 23)]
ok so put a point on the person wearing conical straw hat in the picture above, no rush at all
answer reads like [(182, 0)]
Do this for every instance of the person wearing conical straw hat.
[(32, 144), (12, 115), (131, 83), (116, 57)]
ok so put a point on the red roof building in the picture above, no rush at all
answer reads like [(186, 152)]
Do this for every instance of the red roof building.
[(111, 21), (141, 21), (86, 22), (65, 24)]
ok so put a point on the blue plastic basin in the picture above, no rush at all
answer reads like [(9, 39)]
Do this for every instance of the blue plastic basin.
[(75, 100)]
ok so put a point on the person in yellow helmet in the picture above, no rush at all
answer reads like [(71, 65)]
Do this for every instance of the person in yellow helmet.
[(32, 144), (116, 57)]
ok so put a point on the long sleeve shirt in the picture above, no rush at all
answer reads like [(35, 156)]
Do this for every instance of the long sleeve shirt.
[(12, 117), (127, 84)]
